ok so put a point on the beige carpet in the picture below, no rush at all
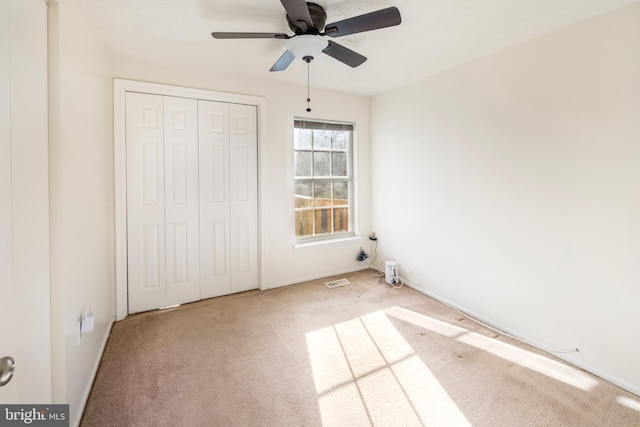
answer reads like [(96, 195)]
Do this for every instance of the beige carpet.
[(358, 355)]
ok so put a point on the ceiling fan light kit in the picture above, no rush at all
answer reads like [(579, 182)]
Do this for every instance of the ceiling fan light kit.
[(307, 45), (307, 21)]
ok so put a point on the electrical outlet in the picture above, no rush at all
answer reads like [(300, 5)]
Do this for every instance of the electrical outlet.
[(86, 323), (362, 256)]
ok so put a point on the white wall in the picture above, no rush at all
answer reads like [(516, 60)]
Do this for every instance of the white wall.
[(284, 264), (81, 187), (515, 189)]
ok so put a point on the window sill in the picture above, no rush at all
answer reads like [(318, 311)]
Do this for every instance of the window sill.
[(327, 242)]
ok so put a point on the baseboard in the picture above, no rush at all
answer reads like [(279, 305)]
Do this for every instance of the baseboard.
[(96, 365), (529, 340), (319, 276)]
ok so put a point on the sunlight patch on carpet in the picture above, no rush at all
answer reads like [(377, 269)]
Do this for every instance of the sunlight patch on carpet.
[(535, 362), (628, 402), (366, 373)]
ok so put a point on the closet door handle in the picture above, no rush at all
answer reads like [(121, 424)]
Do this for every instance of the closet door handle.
[(7, 367)]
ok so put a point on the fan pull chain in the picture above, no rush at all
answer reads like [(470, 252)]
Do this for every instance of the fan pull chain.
[(308, 60)]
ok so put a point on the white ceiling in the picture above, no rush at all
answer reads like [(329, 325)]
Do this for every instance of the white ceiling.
[(435, 35)]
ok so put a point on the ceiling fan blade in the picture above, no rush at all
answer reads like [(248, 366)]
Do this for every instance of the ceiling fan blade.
[(343, 54), (283, 62), (218, 35), (369, 21), (298, 12)]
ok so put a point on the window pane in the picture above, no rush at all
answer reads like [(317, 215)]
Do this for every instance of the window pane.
[(302, 161), (339, 164), (304, 223), (323, 170), (340, 193), (302, 139), (340, 220), (340, 139), (323, 221), (321, 163), (304, 195), (321, 139), (322, 194)]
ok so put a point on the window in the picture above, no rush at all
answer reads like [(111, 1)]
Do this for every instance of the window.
[(323, 179)]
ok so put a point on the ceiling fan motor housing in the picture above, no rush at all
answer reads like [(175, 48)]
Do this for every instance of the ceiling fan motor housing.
[(318, 18)]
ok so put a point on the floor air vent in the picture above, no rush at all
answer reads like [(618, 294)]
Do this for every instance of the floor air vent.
[(337, 283)]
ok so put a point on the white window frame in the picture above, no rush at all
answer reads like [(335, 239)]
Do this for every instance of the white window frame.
[(350, 179)]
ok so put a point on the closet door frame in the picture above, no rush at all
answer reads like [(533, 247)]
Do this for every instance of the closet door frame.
[(120, 88)]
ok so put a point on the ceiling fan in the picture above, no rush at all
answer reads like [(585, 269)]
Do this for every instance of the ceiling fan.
[(307, 21)]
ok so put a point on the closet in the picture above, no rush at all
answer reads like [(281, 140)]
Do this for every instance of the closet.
[(191, 178)]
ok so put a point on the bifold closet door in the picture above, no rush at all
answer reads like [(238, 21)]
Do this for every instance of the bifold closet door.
[(228, 198), (162, 201)]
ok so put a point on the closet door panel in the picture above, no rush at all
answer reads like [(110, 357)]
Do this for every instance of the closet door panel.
[(214, 198), (243, 197), (145, 202), (181, 200), (191, 199)]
